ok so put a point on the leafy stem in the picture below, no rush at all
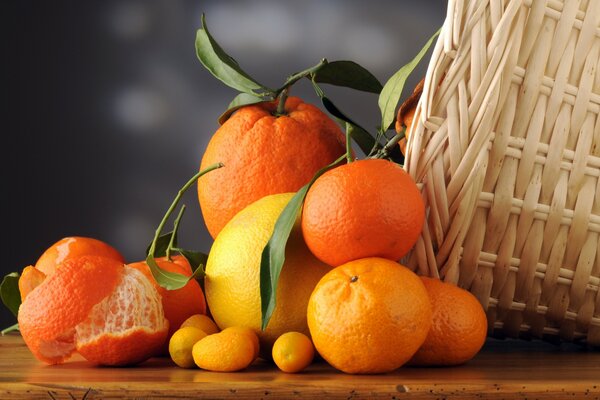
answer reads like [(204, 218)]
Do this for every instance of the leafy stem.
[(180, 193), (11, 328), (166, 243), (385, 151)]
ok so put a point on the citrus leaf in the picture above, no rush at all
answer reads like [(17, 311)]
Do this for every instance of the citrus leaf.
[(364, 139), (273, 254), (12, 328), (348, 74), (9, 292), (171, 280), (168, 280), (221, 65), (392, 90), (162, 243), (197, 261), (241, 100)]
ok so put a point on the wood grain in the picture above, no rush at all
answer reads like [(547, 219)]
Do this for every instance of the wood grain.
[(504, 369)]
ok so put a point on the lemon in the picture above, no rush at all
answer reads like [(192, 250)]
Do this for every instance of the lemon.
[(232, 282), (181, 344)]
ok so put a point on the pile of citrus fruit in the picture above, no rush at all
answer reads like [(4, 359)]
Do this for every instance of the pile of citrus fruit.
[(305, 259)]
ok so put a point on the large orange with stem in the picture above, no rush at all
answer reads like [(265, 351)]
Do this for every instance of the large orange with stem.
[(369, 316), (264, 154), (368, 208)]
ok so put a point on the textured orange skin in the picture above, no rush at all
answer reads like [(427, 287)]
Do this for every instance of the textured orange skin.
[(458, 329), (368, 208), (76, 287), (224, 352), (73, 247), (263, 155), (248, 332), (178, 304), (30, 278), (121, 350), (374, 324)]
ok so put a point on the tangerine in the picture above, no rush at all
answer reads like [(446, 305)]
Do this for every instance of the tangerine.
[(73, 247), (459, 326), (367, 208), (369, 316), (108, 312), (264, 154)]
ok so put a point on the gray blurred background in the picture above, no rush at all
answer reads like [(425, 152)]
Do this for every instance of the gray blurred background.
[(106, 110)]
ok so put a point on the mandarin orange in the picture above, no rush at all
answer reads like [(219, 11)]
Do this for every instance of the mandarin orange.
[(458, 329), (264, 154), (369, 316), (108, 312), (368, 208), (73, 247)]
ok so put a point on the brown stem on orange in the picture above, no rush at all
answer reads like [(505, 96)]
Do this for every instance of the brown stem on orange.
[(281, 105)]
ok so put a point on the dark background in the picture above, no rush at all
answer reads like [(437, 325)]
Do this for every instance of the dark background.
[(106, 111)]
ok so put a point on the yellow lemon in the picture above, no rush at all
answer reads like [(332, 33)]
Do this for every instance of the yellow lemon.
[(232, 282)]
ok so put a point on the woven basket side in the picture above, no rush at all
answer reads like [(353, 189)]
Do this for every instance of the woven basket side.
[(506, 149)]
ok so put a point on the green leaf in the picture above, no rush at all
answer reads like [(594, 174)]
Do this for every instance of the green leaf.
[(168, 280), (9, 292), (273, 255), (197, 261), (162, 244), (348, 74), (392, 91), (360, 135), (221, 65), (12, 328), (241, 100)]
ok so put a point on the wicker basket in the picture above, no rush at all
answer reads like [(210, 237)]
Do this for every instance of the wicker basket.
[(507, 149)]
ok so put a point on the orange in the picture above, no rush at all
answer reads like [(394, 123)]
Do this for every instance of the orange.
[(458, 329), (248, 332), (111, 314), (369, 316), (178, 304), (224, 352), (368, 208), (73, 247), (264, 154), (292, 352)]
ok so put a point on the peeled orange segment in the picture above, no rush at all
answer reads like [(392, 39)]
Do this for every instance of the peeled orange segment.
[(30, 278), (111, 313), (125, 328)]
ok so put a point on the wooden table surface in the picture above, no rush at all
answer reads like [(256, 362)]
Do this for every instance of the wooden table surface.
[(503, 369)]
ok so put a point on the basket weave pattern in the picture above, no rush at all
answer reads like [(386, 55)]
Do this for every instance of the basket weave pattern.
[(506, 148)]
